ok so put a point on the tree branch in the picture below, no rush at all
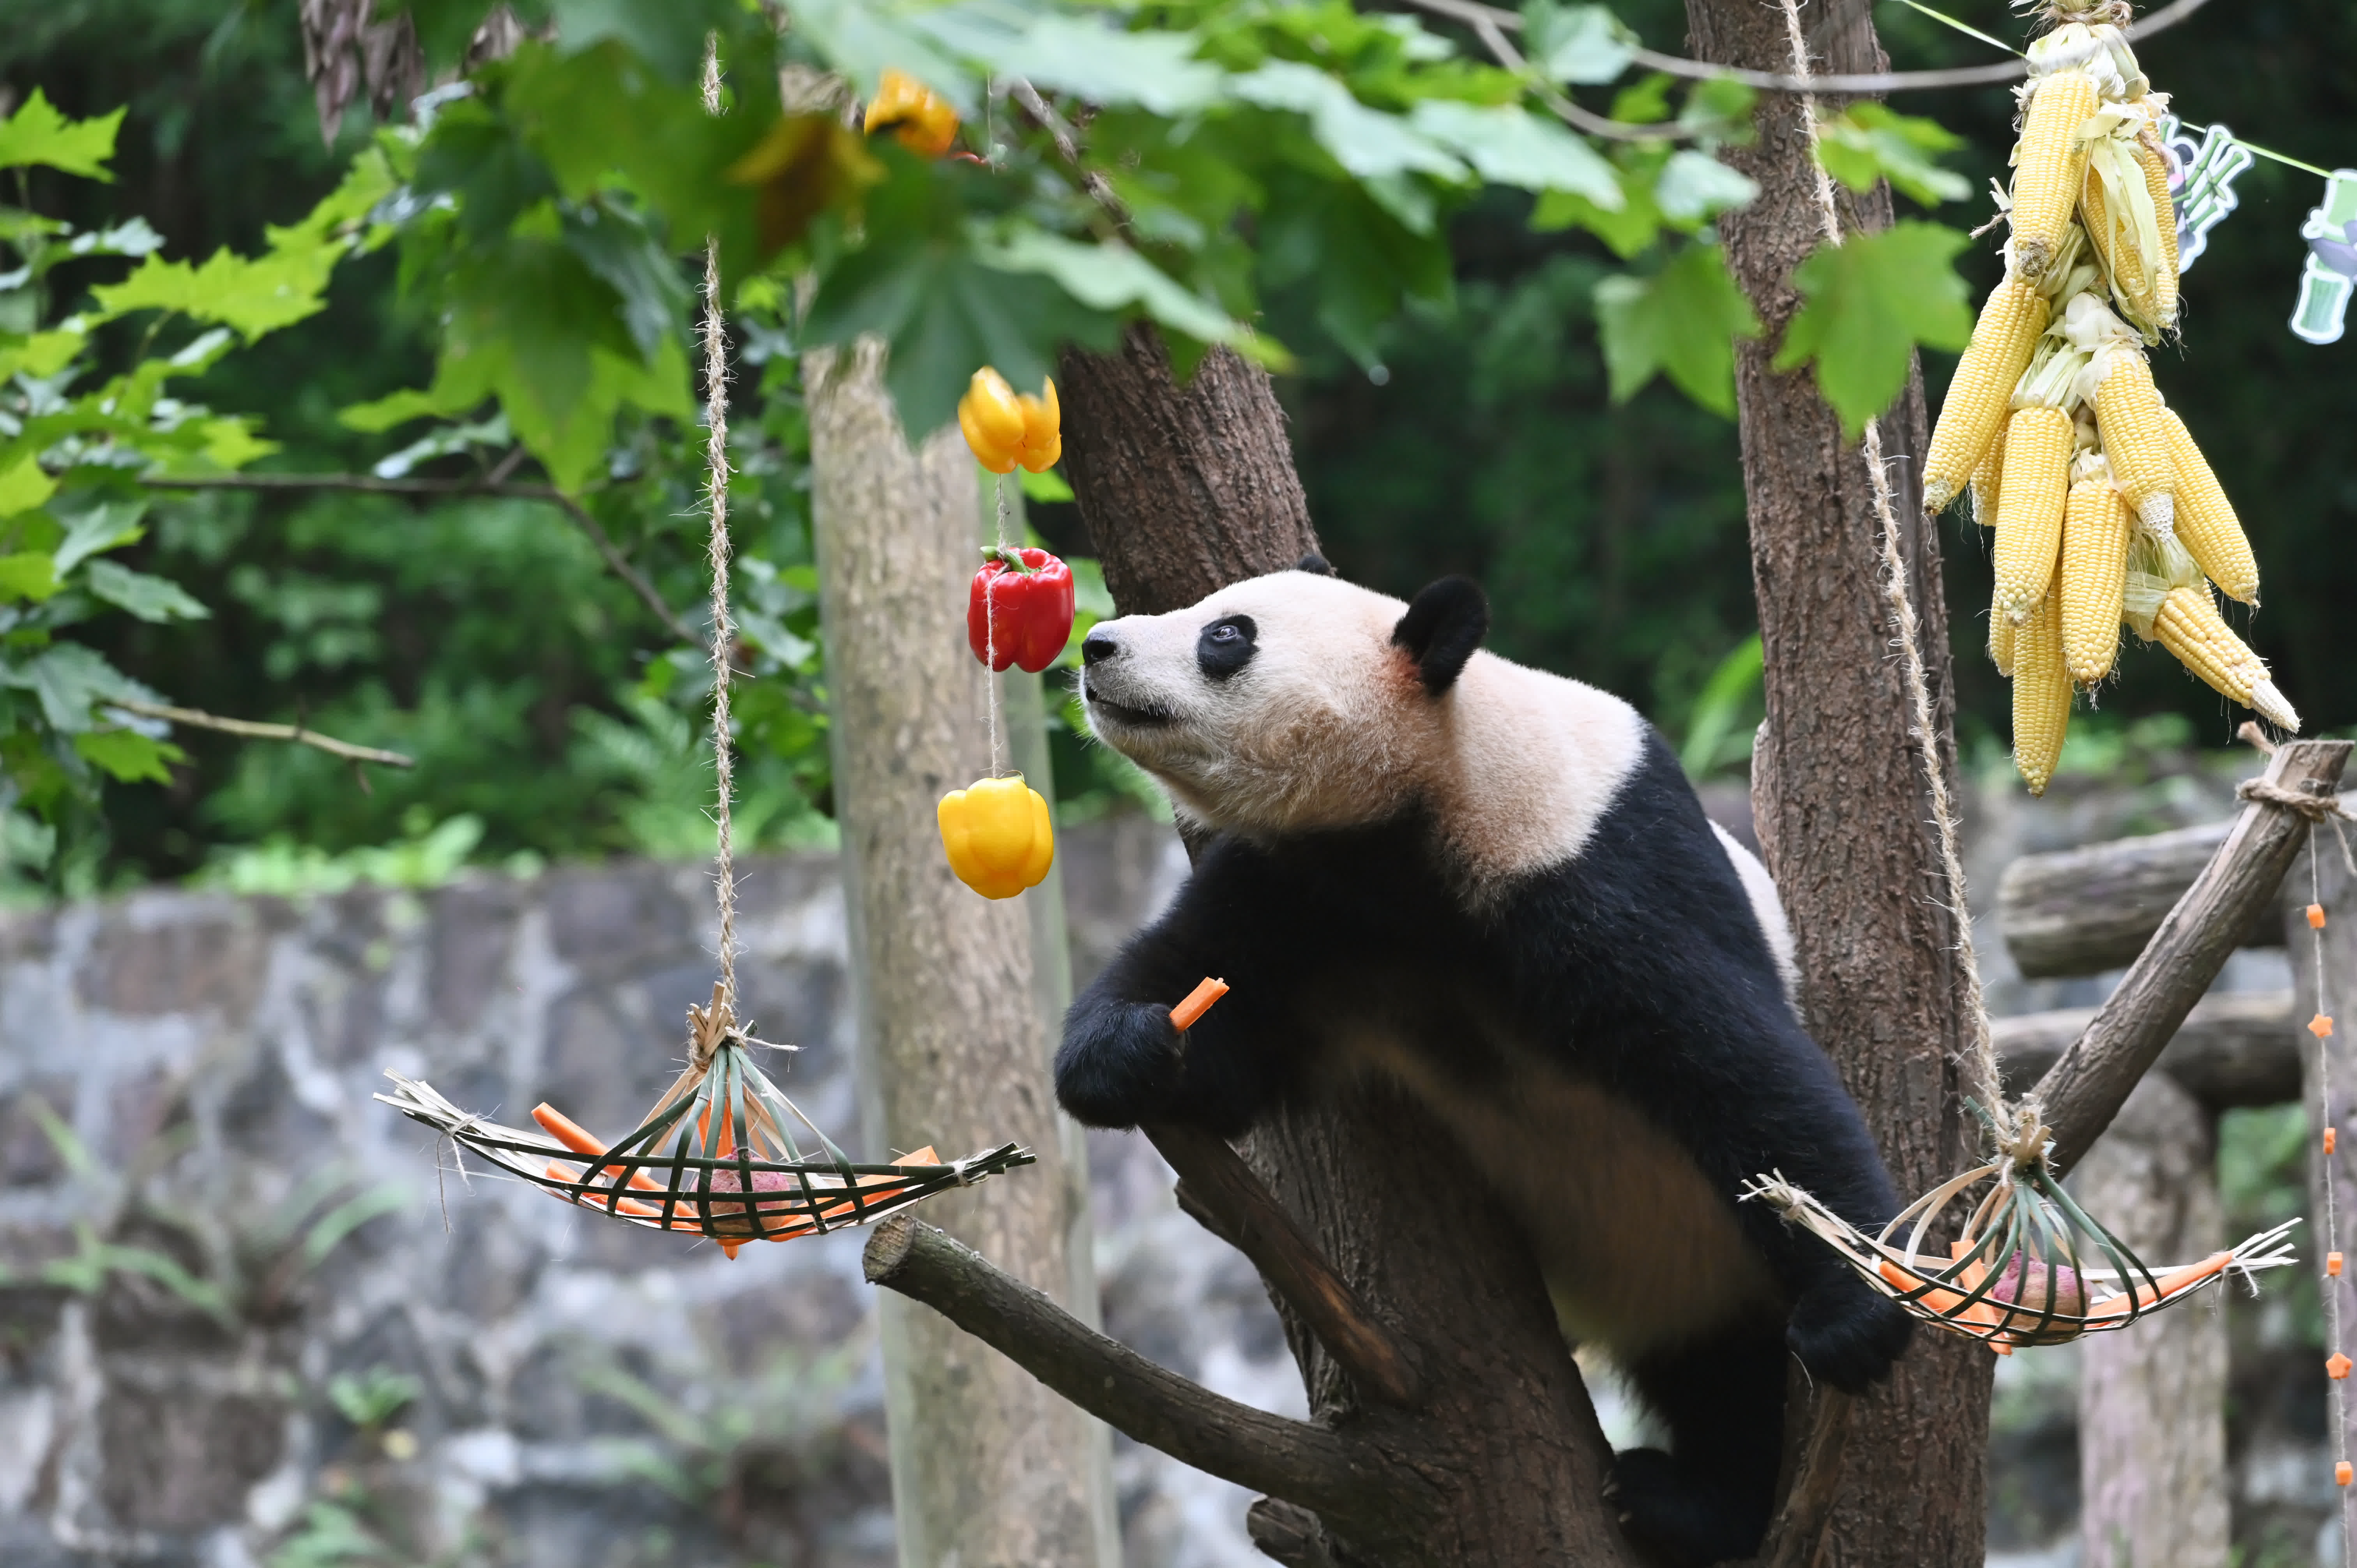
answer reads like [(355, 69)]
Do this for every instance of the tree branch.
[(2083, 1092), (1287, 1533), (1290, 1459), (1484, 19), (254, 729), (1799, 1527), (1247, 1216), (369, 484)]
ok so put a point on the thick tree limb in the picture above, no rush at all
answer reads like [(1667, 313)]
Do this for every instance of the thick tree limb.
[(2235, 1049), (368, 484), (2085, 1089), (1289, 1459), (1248, 1217), (254, 729)]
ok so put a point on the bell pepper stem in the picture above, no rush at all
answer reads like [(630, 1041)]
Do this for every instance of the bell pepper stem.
[(1007, 556)]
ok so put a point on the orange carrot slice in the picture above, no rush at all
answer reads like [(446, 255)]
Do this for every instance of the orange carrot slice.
[(579, 1139), (1197, 1003), (593, 1198), (2176, 1283)]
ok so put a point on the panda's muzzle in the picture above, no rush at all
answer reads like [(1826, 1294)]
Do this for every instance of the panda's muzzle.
[(1101, 707)]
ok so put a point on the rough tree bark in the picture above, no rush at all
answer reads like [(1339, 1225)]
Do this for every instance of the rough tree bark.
[(989, 1468), (1838, 794), (2152, 1399), (1185, 490)]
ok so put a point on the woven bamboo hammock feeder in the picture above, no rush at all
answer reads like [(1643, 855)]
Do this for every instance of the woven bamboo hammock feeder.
[(717, 1155), (2031, 1267), (2028, 1266)]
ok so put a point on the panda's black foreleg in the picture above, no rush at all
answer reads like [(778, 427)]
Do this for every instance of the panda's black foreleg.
[(1708, 1499), (1122, 1062)]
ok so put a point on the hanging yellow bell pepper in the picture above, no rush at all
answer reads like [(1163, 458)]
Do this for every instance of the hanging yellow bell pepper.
[(1005, 427), (920, 119), (998, 836)]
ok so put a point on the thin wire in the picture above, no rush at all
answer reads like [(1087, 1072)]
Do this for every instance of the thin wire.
[(723, 629), (2268, 153), (2325, 1116), (1980, 1062), (1966, 28)]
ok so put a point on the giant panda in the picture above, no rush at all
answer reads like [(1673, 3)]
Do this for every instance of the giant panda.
[(1495, 887)]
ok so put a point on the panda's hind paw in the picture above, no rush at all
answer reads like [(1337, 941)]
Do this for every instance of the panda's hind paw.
[(1846, 1334), (1678, 1519)]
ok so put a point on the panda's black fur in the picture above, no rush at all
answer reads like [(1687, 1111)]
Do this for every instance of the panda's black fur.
[(1621, 1006)]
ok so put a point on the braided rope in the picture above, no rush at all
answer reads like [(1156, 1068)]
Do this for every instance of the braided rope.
[(1979, 1064)]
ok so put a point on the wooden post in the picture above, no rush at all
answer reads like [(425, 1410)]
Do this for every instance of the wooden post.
[(988, 1466), (2152, 1398), (2328, 1064)]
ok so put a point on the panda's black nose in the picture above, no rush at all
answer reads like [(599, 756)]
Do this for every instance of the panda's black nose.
[(1098, 644)]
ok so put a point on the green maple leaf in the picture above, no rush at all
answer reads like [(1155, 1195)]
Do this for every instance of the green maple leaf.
[(37, 133), (1682, 321), (1872, 301)]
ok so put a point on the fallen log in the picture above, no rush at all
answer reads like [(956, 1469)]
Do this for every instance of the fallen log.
[(2238, 1048)]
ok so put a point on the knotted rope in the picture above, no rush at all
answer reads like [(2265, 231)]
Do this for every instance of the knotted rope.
[(722, 1011)]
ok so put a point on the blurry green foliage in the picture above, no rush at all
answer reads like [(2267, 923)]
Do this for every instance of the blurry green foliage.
[(1453, 408)]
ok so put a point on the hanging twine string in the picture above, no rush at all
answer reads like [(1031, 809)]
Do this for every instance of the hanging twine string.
[(2337, 1383), (1984, 1081), (723, 629), (990, 626)]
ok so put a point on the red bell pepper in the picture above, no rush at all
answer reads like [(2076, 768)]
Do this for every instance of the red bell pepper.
[(1020, 609)]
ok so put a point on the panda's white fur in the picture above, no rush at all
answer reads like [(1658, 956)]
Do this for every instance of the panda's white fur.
[(1494, 887), (1324, 728)]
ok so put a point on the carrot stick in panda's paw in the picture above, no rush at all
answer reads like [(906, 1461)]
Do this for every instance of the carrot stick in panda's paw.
[(1197, 1003)]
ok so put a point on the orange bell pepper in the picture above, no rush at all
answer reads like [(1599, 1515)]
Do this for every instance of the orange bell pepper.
[(1005, 427), (918, 117)]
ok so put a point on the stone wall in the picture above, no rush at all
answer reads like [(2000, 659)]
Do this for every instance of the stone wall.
[(246, 1318)]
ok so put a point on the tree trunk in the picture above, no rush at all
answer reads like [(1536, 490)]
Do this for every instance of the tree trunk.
[(1185, 490), (989, 1468), (2152, 1399), (1838, 795)]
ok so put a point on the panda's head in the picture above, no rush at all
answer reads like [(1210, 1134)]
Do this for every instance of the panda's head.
[(1285, 702)]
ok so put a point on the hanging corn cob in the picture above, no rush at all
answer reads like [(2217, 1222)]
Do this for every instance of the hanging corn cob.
[(2206, 521), (1974, 411), (2049, 164), (2091, 582), (2103, 508), (2041, 695), (2031, 495), (1987, 487)]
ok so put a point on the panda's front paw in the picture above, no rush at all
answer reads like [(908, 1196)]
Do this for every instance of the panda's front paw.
[(1120, 1062), (1847, 1334)]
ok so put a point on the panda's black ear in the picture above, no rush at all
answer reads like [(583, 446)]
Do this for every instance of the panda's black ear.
[(1317, 566), (1442, 628)]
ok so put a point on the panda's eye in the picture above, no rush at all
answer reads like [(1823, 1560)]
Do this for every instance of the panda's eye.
[(1225, 646)]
